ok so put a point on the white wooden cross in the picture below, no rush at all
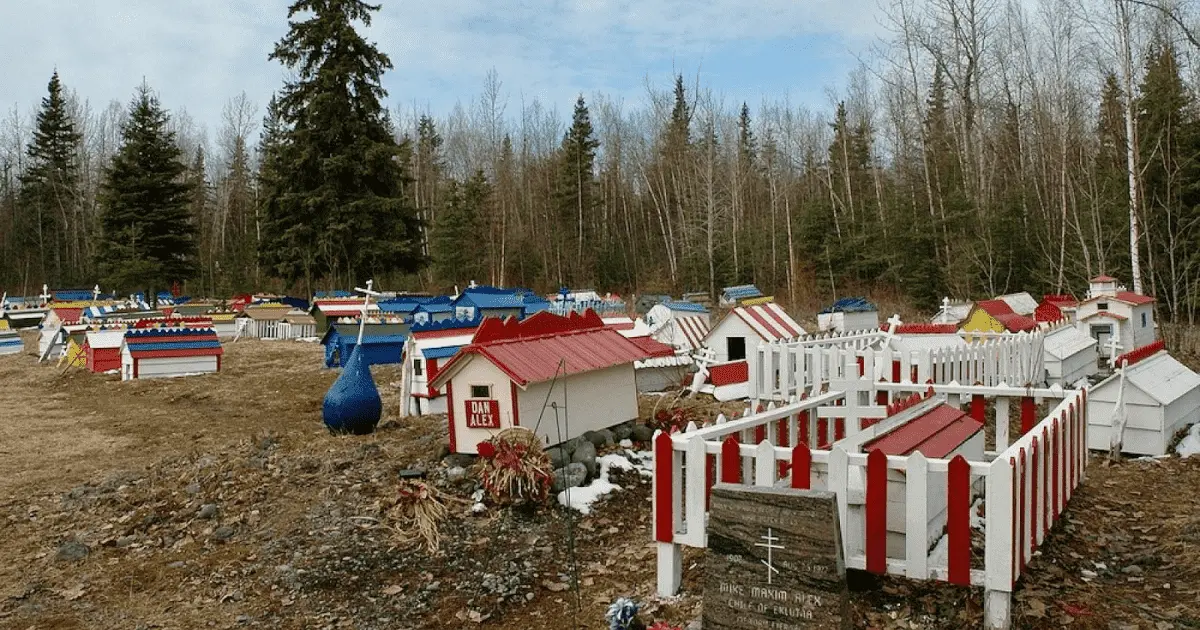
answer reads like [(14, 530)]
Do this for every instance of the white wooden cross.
[(367, 293), (1113, 345), (96, 293), (893, 323), (45, 294)]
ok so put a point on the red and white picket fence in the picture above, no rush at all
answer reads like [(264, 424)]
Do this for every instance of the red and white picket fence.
[(780, 370), (1024, 485)]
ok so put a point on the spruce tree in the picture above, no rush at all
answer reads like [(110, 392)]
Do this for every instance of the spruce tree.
[(577, 183), (148, 238), (459, 225), (50, 188), (337, 207)]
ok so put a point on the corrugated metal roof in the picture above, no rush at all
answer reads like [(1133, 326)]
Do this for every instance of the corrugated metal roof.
[(105, 338), (955, 313), (851, 305), (693, 329), (935, 434), (1021, 303), (741, 292), (769, 321), (653, 347), (1162, 378), (1003, 313), (1066, 341), (490, 297), (684, 307)]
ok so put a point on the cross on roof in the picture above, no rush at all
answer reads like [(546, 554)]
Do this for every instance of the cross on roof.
[(893, 323), (367, 293), (1113, 345), (45, 294), (96, 293)]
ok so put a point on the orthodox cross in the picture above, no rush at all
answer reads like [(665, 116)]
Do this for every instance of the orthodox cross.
[(770, 545), (367, 293)]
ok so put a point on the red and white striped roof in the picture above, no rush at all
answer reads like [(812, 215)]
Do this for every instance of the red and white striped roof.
[(769, 321), (692, 329)]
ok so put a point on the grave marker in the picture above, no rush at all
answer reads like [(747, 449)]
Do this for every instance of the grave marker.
[(774, 560)]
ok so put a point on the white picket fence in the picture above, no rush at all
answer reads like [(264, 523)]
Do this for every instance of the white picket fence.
[(1024, 486), (780, 370)]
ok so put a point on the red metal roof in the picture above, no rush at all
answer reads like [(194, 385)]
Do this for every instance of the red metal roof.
[(653, 347), (1136, 299), (1103, 278), (580, 342), (1133, 356), (1003, 313), (936, 434), (729, 373), (924, 329)]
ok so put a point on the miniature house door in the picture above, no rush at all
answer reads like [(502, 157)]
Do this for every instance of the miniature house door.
[(1101, 333), (735, 348)]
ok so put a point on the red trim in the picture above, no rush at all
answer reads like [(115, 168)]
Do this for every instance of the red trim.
[(978, 408), (430, 372), (760, 433), (877, 490), (801, 467), (729, 373), (135, 368), (1047, 454), (664, 495), (516, 413), (218, 363), (895, 371), (779, 317), (450, 415), (731, 461), (1056, 439), (1034, 452), (958, 522), (1021, 516), (1139, 354), (1028, 410)]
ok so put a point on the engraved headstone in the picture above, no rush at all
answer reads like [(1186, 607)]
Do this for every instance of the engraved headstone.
[(774, 560)]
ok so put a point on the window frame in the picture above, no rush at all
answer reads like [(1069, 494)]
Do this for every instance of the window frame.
[(487, 386)]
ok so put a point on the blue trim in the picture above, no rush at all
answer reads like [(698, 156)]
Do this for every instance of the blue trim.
[(174, 345), (688, 307), (447, 324), (742, 292), (441, 353)]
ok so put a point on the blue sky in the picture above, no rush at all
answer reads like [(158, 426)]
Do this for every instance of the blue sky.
[(199, 53)]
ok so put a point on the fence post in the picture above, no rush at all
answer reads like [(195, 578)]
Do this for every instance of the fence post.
[(916, 538), (667, 488), (1001, 424), (998, 549)]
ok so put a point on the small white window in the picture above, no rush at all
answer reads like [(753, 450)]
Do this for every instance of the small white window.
[(481, 391)]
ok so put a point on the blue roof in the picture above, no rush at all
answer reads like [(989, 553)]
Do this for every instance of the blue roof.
[(851, 305), (333, 294), (440, 353), (680, 305), (76, 295), (373, 340), (409, 303), (436, 307), (742, 292), (490, 297)]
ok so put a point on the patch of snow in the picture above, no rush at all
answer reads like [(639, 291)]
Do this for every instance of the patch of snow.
[(583, 497), (940, 556), (643, 461), (626, 443), (1190, 444), (977, 521), (308, 339), (1080, 384)]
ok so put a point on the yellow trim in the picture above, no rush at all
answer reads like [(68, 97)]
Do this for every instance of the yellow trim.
[(766, 299)]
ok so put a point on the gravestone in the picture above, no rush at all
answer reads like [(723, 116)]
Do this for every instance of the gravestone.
[(774, 560)]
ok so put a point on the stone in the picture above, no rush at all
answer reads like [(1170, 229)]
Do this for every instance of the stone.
[(559, 456), (603, 437), (586, 455), (456, 473), (460, 459), (774, 560), (571, 476), (72, 551), (207, 511), (192, 488), (125, 541), (622, 431), (223, 533), (642, 433), (573, 444), (626, 443)]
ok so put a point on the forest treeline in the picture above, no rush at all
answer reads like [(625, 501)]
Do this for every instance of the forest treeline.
[(982, 146)]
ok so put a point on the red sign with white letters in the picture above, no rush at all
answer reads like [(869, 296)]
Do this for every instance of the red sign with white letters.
[(483, 414)]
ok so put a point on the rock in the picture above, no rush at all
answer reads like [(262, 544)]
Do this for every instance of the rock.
[(586, 455), (243, 619), (125, 541), (207, 511), (1132, 569), (600, 438), (626, 443), (573, 444), (622, 431), (223, 533), (72, 551), (178, 564), (559, 455), (459, 459), (572, 476), (642, 433), (456, 473)]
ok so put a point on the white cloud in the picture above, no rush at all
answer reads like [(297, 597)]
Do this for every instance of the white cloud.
[(199, 53)]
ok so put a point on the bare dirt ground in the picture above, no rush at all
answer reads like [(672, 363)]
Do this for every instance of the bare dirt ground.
[(221, 502)]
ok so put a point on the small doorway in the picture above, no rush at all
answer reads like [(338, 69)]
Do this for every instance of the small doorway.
[(735, 347)]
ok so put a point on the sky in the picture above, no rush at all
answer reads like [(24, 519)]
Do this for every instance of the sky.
[(196, 54)]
